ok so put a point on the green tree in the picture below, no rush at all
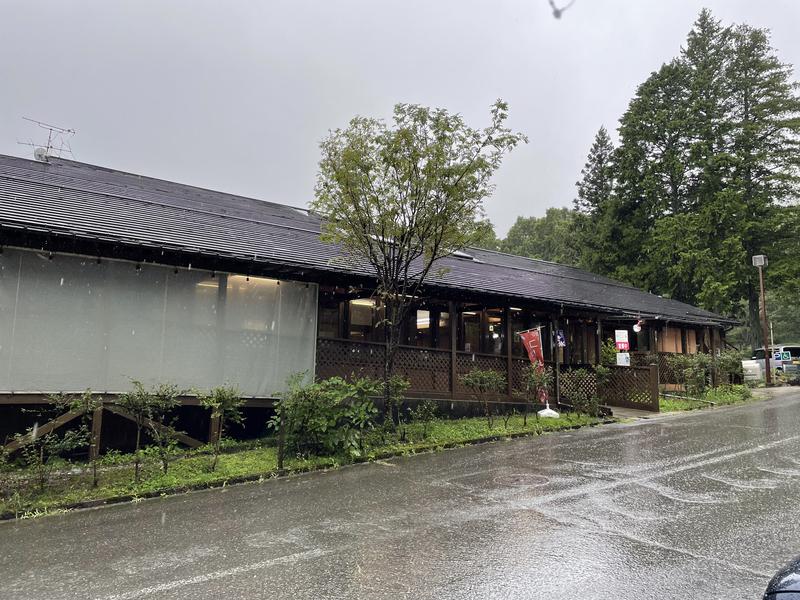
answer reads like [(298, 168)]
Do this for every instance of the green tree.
[(597, 175), (164, 399), (485, 236), (704, 175), (399, 198), (593, 207), (137, 404), (766, 125), (224, 403), (486, 385), (551, 237)]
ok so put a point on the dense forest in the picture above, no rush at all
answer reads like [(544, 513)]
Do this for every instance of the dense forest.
[(703, 176)]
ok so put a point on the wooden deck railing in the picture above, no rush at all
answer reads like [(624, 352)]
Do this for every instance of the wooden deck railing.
[(436, 373)]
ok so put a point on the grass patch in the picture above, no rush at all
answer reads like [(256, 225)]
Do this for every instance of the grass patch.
[(723, 395), (252, 460)]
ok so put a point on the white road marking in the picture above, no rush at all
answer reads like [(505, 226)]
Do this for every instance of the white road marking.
[(179, 583)]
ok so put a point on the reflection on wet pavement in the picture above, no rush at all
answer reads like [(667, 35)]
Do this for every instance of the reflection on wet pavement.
[(700, 505)]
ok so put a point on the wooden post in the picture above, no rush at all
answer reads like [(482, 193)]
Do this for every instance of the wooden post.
[(557, 374), (599, 342), (765, 328), (213, 429), (97, 433), (281, 442), (654, 388), (509, 355), (454, 321), (712, 335)]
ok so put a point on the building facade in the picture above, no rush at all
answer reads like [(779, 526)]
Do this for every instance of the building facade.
[(108, 277)]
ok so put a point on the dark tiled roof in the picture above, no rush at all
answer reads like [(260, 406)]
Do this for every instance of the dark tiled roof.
[(76, 199)]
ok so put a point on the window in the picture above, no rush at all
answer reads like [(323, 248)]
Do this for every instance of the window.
[(794, 350), (494, 334), (443, 331), (470, 331), (423, 331), (330, 311), (362, 319)]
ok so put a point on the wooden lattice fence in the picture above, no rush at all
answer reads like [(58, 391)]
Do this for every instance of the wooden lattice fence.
[(631, 387), (432, 374)]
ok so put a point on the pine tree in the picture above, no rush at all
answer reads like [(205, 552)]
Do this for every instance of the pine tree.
[(593, 215), (597, 175), (765, 117), (704, 174)]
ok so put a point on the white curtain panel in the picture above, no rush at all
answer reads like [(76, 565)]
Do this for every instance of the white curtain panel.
[(68, 323)]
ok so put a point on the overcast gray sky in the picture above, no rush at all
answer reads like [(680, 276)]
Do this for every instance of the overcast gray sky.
[(235, 96)]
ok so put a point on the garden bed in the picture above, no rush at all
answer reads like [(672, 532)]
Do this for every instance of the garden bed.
[(70, 486), (723, 395)]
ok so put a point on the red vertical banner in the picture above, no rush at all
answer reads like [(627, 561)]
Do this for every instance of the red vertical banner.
[(532, 340), (533, 344)]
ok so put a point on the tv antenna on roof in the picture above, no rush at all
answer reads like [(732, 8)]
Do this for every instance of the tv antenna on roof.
[(57, 141)]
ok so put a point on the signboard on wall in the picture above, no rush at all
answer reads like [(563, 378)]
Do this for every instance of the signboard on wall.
[(621, 340), (623, 359)]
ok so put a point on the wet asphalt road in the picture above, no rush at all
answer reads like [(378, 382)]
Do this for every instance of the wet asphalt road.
[(702, 505)]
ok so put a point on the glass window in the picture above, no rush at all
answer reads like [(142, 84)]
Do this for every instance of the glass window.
[(470, 334), (794, 350), (521, 320), (423, 330), (494, 339), (362, 319), (330, 310), (443, 331)]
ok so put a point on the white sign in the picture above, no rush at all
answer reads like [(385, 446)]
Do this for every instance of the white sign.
[(621, 339), (623, 359)]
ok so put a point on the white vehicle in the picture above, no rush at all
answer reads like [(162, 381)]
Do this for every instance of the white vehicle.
[(782, 358)]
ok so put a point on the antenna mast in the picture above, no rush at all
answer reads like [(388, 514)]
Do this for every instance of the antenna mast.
[(57, 141)]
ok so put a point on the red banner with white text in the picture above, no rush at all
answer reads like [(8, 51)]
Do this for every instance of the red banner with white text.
[(532, 340)]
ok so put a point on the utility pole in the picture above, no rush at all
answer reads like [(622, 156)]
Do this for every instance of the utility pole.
[(760, 261)]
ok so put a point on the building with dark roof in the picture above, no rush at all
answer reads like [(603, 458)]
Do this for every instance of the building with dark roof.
[(108, 276)]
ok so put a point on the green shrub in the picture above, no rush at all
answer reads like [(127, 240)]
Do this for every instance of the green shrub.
[(425, 412), (608, 353), (692, 371), (85, 404), (328, 417), (485, 385), (729, 363), (40, 453), (398, 386), (728, 394)]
